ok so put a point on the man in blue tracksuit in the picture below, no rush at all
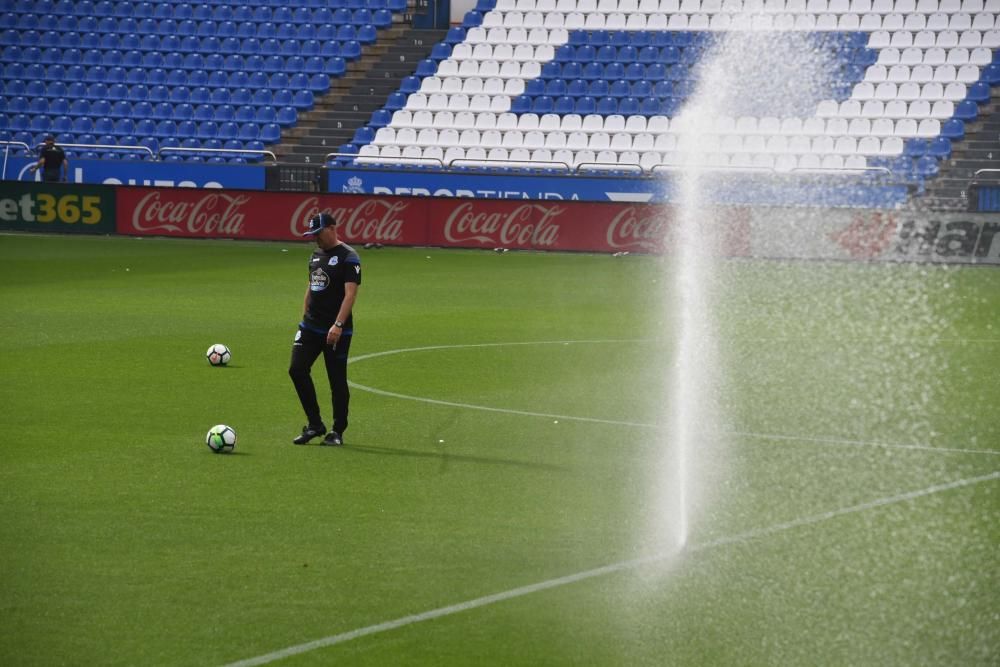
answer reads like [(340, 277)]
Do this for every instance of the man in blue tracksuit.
[(327, 327)]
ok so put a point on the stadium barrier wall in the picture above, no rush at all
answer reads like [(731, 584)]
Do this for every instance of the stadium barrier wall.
[(763, 232), (866, 235), (760, 232), (57, 207), (731, 188), (413, 221), (138, 172)]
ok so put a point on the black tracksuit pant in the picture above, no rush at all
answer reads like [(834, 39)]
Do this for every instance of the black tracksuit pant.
[(307, 347)]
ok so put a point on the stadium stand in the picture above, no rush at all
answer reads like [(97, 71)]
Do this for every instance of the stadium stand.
[(520, 84), (197, 75), (598, 84)]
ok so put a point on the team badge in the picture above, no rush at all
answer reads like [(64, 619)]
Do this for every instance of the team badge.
[(318, 280), (333, 261)]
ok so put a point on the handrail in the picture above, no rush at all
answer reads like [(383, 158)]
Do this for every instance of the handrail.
[(16, 143), (840, 170), (985, 171), (399, 159), (477, 161), (238, 151), (135, 149), (327, 157), (605, 166), (676, 167)]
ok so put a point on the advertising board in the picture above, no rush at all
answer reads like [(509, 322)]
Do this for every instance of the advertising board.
[(420, 221), (57, 207), (141, 172)]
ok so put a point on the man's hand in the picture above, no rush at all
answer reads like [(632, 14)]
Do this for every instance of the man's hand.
[(333, 335)]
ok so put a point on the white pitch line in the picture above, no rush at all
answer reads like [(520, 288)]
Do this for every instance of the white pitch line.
[(616, 422), (486, 600)]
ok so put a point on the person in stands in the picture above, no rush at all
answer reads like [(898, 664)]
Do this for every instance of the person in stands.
[(52, 161)]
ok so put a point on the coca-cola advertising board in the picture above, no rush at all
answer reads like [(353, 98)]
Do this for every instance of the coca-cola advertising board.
[(416, 221)]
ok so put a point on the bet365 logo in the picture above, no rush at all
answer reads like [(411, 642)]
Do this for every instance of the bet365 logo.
[(45, 207)]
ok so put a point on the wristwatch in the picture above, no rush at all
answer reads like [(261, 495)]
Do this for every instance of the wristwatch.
[(338, 323)]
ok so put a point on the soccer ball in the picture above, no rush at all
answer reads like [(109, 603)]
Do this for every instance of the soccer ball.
[(221, 439), (218, 355)]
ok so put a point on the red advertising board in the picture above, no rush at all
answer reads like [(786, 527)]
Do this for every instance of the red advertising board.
[(460, 223)]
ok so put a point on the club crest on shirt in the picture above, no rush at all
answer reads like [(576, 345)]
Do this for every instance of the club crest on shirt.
[(333, 261), (318, 280)]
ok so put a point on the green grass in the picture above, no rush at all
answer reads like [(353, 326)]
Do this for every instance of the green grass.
[(125, 541)]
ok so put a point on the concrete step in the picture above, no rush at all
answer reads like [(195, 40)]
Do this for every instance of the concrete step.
[(353, 97)]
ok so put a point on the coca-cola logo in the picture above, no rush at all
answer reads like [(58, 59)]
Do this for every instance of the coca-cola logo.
[(217, 213), (371, 220), (629, 229), (528, 225), (867, 238)]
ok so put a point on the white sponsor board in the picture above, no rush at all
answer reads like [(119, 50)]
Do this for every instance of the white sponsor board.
[(875, 235)]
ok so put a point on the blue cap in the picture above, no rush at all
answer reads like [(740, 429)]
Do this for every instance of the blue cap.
[(318, 222)]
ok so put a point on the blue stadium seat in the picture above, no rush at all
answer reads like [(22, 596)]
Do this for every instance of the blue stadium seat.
[(244, 114), (585, 105), (165, 128), (227, 131), (926, 167), (79, 107), (599, 88), (363, 135), (410, 84), (641, 89), (303, 99), (121, 109), (542, 104), (240, 96), (472, 19), (940, 147), (262, 96), (83, 125), (207, 129), (248, 131), (953, 129), (203, 112), (966, 110), (379, 118), (351, 50), (266, 114), (104, 126), (564, 104), (225, 112), (520, 104), (124, 126), (620, 88), (59, 105), (397, 101), (555, 88)]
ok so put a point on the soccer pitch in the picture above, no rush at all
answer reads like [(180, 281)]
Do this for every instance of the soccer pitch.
[(493, 501)]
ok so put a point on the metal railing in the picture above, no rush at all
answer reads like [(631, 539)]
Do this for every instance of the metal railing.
[(6, 153), (219, 151), (127, 148)]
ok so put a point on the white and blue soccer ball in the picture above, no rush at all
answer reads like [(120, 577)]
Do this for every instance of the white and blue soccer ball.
[(221, 439), (218, 355)]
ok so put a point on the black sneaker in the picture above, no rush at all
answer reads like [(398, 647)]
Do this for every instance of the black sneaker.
[(308, 433), (333, 438)]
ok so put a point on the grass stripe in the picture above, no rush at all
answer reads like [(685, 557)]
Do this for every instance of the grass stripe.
[(487, 600)]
